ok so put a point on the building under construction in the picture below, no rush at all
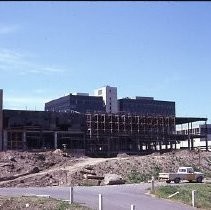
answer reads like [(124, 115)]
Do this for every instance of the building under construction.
[(95, 134), (134, 134), (110, 134), (92, 134)]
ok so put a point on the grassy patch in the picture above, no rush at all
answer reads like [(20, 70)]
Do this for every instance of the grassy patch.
[(37, 203), (136, 177), (66, 206), (202, 199)]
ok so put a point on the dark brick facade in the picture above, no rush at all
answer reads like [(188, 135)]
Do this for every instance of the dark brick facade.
[(79, 103), (147, 107)]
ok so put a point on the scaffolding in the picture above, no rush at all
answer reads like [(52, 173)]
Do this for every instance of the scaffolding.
[(134, 134)]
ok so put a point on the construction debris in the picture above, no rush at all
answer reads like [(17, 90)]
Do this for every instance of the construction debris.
[(113, 179)]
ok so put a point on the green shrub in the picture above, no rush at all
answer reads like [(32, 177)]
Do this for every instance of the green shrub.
[(137, 177), (63, 205)]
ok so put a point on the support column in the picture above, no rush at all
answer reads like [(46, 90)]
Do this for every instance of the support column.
[(137, 145), (5, 140), (108, 146), (160, 145), (141, 143), (155, 146), (188, 137), (192, 143), (166, 145), (84, 139), (175, 145), (146, 146), (206, 139), (171, 145), (55, 140), (24, 140)]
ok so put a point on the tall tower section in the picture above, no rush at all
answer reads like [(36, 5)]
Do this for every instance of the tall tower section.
[(109, 95), (1, 119)]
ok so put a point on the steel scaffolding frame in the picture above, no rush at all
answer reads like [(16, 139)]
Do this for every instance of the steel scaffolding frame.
[(113, 133)]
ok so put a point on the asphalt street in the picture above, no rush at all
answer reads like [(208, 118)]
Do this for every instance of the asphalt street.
[(115, 197)]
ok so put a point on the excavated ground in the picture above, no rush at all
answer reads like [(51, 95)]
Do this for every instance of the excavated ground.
[(55, 168)]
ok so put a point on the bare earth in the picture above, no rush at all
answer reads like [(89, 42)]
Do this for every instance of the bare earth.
[(55, 168)]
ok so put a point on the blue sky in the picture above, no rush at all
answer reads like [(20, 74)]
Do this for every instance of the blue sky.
[(158, 49)]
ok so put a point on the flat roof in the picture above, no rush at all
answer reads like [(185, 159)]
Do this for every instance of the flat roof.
[(184, 120)]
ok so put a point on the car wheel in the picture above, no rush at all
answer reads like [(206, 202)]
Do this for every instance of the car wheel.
[(168, 181), (199, 179), (177, 180)]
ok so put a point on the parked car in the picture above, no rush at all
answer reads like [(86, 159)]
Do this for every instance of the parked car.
[(183, 173)]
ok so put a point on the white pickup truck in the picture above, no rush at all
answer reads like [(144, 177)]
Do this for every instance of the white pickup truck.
[(183, 173)]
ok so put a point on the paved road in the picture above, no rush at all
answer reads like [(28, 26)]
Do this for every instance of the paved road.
[(114, 197)]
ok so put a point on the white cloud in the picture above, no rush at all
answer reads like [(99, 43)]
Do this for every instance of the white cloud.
[(10, 56), (30, 103), (11, 60), (8, 29)]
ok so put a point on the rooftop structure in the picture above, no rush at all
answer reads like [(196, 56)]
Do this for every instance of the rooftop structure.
[(109, 95), (82, 103)]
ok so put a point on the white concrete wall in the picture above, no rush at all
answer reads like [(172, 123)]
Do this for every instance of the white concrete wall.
[(109, 95), (197, 143)]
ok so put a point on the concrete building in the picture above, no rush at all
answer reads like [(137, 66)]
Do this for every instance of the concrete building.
[(78, 102), (68, 120), (147, 106), (109, 95), (105, 100), (39, 129)]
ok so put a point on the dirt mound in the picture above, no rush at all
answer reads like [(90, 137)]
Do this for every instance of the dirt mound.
[(55, 169), (142, 168), (16, 167)]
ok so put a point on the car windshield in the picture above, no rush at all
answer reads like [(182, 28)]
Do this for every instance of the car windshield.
[(182, 170)]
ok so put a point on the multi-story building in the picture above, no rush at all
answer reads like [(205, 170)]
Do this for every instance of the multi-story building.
[(80, 102), (40, 129), (105, 99), (109, 95), (147, 106), (94, 133)]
